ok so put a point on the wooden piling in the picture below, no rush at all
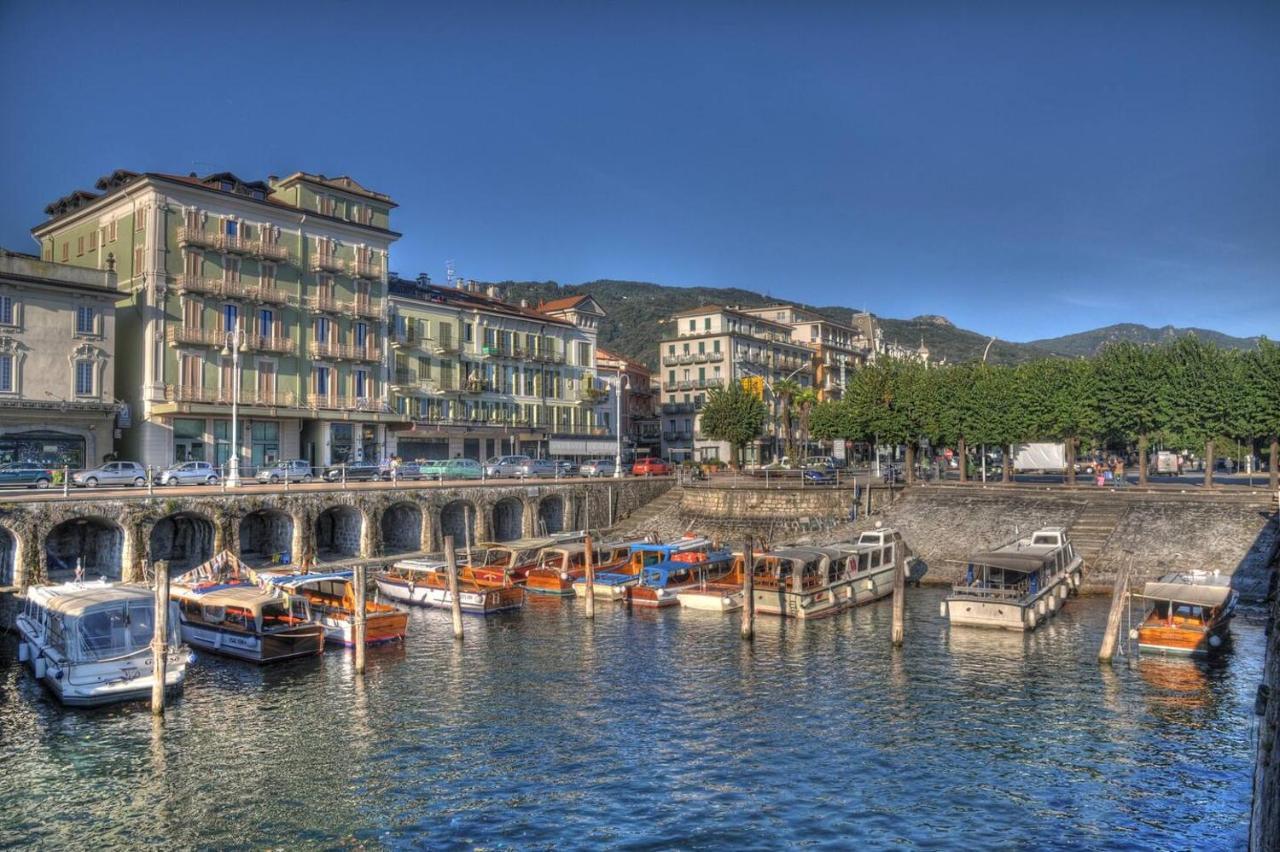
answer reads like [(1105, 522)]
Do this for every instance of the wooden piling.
[(898, 632), (748, 591), (160, 638), (589, 564), (359, 616), (455, 604), (1118, 593)]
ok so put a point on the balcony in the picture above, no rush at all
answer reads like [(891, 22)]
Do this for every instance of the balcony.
[(342, 403), (546, 357), (363, 306), (713, 382), (408, 340), (715, 357), (476, 386), (593, 396), (679, 408), (214, 287), (670, 360), (279, 345), (344, 352), (269, 294), (327, 263), (674, 437), (269, 251), (198, 336), (325, 304), (248, 396), (366, 269), (447, 347)]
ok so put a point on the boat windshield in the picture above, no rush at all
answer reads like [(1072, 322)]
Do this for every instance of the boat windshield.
[(276, 615), (551, 559), (116, 630)]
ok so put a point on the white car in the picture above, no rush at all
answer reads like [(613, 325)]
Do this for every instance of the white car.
[(596, 467), (189, 473), (112, 473)]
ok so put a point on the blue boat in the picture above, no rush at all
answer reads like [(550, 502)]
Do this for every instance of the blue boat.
[(659, 584), (613, 585)]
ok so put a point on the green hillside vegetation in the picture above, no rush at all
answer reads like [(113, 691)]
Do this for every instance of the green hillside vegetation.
[(1092, 342)]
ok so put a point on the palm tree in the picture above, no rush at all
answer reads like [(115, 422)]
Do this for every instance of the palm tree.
[(784, 392), (803, 401)]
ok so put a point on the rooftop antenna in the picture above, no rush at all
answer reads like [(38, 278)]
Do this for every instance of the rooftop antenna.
[(448, 272)]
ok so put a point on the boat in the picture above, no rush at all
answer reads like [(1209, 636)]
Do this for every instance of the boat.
[(333, 605), (876, 553), (721, 594), (1190, 613), (1017, 586), (90, 642), (802, 582), (561, 566), (612, 581), (425, 582), (694, 560), (504, 563), (223, 610)]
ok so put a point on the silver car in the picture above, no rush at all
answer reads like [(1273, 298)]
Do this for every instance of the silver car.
[(112, 473), (538, 468), (596, 467), (188, 473), (500, 466)]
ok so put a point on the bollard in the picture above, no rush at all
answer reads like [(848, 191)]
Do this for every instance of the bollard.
[(223, 479), (344, 477), (151, 480), (451, 566), (899, 595), (748, 591), (160, 639), (1118, 594), (359, 617), (66, 480), (591, 577)]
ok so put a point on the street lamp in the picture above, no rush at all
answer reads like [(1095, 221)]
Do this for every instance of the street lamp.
[(618, 385), (233, 345)]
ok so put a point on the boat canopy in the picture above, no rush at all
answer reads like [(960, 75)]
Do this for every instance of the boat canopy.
[(420, 565), (223, 568), (74, 600), (294, 581), (680, 545), (1187, 593), (1022, 562), (249, 597)]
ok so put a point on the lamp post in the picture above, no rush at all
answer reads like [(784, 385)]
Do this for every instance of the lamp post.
[(764, 378), (617, 388), (234, 344)]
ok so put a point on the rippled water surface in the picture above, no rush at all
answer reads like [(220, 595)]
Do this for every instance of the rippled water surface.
[(657, 730)]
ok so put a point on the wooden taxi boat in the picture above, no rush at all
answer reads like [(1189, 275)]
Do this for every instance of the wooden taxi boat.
[(424, 582), (561, 566), (1017, 586), (612, 582), (721, 594), (505, 563), (331, 596), (694, 561), (802, 582), (1190, 613)]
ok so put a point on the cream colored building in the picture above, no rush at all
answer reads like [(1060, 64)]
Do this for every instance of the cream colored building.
[(57, 346)]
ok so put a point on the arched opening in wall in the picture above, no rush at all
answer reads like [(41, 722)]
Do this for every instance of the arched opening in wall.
[(266, 537), (454, 521), (8, 557), (94, 543), (508, 519), (184, 538), (551, 515), (338, 531), (402, 528)]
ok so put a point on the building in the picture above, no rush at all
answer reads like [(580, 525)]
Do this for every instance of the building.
[(476, 376), (292, 269), (57, 348), (709, 347), (838, 349), (641, 428)]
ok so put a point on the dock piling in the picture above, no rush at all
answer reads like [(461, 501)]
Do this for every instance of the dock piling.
[(898, 632), (748, 591), (360, 617), (1118, 594), (455, 605), (160, 638), (589, 563)]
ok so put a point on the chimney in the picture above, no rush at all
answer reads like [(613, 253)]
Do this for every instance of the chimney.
[(493, 291), (424, 278), (524, 303)]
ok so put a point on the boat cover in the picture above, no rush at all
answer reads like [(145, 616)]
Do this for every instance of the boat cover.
[(1024, 562), (75, 600), (1188, 593), (293, 581)]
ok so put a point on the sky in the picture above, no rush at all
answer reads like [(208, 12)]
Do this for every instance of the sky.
[(1026, 170)]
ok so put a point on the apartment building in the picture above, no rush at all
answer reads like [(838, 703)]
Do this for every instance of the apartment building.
[(475, 376), (289, 274), (57, 344), (708, 347), (641, 428), (838, 349)]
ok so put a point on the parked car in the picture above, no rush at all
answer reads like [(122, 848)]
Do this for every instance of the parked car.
[(538, 469), (29, 474), (819, 463), (291, 470), (111, 473), (597, 467), (442, 469), (502, 466), (567, 467), (651, 467), (188, 473), (357, 471), (819, 475)]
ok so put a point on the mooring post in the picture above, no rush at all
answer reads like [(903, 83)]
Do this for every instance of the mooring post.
[(589, 563), (360, 615), (1118, 593), (748, 590), (867, 514), (160, 638), (899, 595), (455, 603)]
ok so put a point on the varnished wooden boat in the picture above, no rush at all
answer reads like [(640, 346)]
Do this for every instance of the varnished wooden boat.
[(331, 596), (561, 566), (1190, 614), (496, 564), (722, 594), (425, 582), (660, 584)]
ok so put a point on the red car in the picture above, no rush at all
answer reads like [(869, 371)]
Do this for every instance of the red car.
[(651, 467)]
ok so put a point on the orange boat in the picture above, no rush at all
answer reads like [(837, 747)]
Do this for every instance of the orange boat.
[(426, 583), (333, 605), (506, 563), (1190, 613), (559, 566), (693, 560)]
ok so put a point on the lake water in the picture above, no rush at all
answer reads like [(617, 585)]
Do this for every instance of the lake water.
[(657, 730)]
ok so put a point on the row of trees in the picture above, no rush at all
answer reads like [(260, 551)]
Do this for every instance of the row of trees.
[(1186, 394)]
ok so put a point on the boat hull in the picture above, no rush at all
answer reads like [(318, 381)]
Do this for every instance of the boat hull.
[(478, 602), (1180, 641), (606, 589), (807, 604), (712, 598), (1011, 614), (255, 648)]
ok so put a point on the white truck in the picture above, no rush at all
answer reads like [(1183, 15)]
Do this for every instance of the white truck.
[(1050, 458)]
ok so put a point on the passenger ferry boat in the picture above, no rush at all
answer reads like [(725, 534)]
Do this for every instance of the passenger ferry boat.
[(722, 594), (802, 582), (425, 582), (1017, 586), (90, 643), (612, 582), (331, 596), (224, 611), (1190, 613), (871, 563), (561, 566), (693, 561)]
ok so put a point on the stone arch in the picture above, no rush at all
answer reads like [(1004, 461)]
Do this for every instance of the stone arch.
[(185, 539), (508, 519), (93, 541), (339, 533), (266, 537), (453, 522), (9, 560), (551, 515), (401, 525)]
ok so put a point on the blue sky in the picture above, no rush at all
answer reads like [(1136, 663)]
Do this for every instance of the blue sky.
[(1101, 162)]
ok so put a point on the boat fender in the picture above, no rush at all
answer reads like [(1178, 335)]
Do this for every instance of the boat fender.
[(57, 674), (40, 668), (942, 609), (564, 575), (1040, 607), (191, 658), (1053, 602), (1215, 641), (1133, 634), (24, 652)]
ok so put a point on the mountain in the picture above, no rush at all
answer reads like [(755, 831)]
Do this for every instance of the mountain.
[(1090, 342)]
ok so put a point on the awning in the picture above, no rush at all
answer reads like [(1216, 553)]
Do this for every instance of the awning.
[(1023, 563), (583, 446)]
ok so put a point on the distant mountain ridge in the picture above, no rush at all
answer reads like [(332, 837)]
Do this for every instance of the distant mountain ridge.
[(638, 311)]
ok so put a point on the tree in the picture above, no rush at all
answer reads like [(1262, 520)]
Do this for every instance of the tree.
[(1262, 373), (734, 415), (1193, 396), (803, 403), (1130, 381), (784, 394)]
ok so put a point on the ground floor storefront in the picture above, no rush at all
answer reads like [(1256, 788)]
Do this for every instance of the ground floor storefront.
[(425, 442), (59, 436)]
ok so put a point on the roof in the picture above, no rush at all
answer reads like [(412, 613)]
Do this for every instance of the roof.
[(518, 544), (463, 299), (1190, 593), (1023, 561), (343, 183), (248, 596), (804, 554), (76, 599)]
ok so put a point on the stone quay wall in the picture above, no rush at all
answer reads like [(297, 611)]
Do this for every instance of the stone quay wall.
[(771, 512), (1264, 827)]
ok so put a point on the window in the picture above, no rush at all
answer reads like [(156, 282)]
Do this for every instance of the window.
[(231, 272), (322, 381), (706, 324), (584, 354), (233, 227), (6, 374), (140, 219), (66, 252), (693, 325), (85, 320), (266, 323), (93, 241), (84, 378), (360, 384), (467, 333), (79, 246), (137, 261), (361, 335), (112, 233), (715, 345), (322, 330), (230, 317), (6, 310)]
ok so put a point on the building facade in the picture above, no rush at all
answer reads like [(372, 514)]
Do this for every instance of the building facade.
[(58, 404), (641, 429), (837, 349), (474, 376), (288, 274)]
